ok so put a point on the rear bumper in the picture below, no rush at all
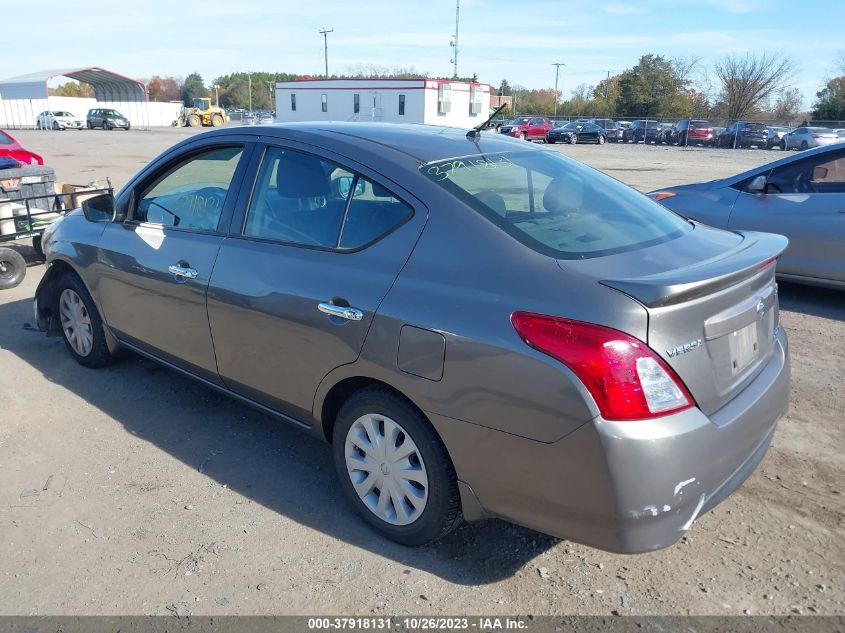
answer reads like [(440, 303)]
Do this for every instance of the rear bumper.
[(625, 487)]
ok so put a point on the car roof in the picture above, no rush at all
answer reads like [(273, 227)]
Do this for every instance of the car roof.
[(424, 143)]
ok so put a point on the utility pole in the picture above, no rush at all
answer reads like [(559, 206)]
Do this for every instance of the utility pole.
[(557, 66), (606, 88), (325, 33), (249, 78), (454, 42)]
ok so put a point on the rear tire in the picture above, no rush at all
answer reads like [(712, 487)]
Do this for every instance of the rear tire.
[(12, 268), (804, 145), (80, 323), (601, 140), (388, 426)]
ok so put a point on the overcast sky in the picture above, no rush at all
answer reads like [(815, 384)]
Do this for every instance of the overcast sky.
[(513, 39)]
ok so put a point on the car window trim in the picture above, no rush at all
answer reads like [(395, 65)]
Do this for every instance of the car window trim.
[(244, 200), (172, 163)]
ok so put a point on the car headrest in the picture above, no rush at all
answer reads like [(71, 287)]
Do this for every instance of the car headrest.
[(564, 194), (492, 200), (301, 176)]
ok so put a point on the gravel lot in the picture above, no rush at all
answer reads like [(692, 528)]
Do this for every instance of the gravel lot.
[(132, 490)]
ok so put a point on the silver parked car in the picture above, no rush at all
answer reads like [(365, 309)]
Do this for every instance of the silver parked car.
[(807, 137), (801, 197), (507, 333)]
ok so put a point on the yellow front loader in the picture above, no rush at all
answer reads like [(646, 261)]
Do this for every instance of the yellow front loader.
[(202, 113)]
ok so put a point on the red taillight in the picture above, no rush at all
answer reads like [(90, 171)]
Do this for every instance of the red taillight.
[(626, 378)]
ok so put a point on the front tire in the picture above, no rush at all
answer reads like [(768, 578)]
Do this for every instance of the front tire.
[(523, 136), (80, 323), (601, 140), (804, 145), (12, 268), (394, 468)]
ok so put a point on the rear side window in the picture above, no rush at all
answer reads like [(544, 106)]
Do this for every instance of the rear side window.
[(5, 139), (191, 194), (555, 205), (303, 200)]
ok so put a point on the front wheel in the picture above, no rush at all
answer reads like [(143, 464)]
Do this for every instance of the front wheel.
[(601, 140), (573, 139), (80, 323), (12, 268), (523, 135), (394, 468), (804, 145), (216, 120)]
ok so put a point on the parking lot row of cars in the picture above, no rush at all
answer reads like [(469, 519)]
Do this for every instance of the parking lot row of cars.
[(106, 118), (740, 134)]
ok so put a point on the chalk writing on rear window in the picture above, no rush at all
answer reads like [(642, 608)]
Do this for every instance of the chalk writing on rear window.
[(443, 171)]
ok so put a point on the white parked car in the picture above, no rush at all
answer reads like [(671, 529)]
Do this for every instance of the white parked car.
[(807, 137), (58, 120)]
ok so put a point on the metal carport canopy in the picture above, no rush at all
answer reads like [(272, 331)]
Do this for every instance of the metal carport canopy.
[(108, 86)]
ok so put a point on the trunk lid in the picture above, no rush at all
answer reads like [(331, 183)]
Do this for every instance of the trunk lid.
[(712, 305)]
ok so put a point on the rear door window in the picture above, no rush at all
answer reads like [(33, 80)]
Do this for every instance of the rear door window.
[(304, 200), (557, 206)]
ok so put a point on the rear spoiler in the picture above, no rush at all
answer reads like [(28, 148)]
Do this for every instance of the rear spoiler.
[(756, 252)]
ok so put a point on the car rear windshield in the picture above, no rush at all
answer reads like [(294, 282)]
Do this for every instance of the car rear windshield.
[(755, 126), (556, 205)]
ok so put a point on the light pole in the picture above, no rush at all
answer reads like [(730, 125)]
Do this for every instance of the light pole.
[(557, 66), (325, 33), (249, 78)]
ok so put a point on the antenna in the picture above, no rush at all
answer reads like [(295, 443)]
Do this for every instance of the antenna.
[(454, 42)]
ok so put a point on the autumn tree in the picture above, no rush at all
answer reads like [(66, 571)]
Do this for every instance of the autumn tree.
[(73, 89), (164, 88), (749, 80)]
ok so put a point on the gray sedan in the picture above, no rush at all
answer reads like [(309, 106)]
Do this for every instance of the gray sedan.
[(808, 137), (479, 327), (801, 197)]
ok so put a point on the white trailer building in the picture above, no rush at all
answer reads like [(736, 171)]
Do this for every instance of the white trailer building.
[(431, 101)]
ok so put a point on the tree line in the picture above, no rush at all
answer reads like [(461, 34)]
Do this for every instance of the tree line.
[(747, 86), (742, 86)]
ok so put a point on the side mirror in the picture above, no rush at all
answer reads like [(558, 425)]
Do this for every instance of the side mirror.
[(820, 173), (344, 184), (757, 185), (99, 208)]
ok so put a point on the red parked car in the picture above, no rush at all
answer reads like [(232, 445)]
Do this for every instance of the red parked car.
[(693, 132), (11, 148), (528, 127)]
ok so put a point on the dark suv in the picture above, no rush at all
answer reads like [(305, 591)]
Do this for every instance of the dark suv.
[(645, 130), (744, 134), (106, 118)]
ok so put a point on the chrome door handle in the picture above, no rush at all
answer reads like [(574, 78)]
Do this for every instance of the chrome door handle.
[(183, 271), (344, 312)]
